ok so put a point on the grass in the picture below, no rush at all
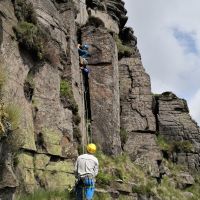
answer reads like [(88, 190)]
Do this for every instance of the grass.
[(30, 37), (29, 86), (119, 167), (76, 119), (101, 196), (77, 134), (13, 115), (195, 189), (67, 97), (123, 136), (24, 11), (144, 189), (123, 50), (167, 190), (3, 75), (65, 89), (162, 143), (175, 146), (48, 195)]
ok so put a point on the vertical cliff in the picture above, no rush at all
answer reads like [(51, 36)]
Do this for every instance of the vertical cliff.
[(61, 110)]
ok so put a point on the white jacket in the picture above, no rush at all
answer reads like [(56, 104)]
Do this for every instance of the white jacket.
[(86, 164)]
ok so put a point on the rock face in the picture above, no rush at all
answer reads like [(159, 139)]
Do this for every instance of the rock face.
[(175, 124), (104, 89), (136, 116), (116, 100), (46, 126)]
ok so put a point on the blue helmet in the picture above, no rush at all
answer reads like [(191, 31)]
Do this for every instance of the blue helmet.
[(85, 46)]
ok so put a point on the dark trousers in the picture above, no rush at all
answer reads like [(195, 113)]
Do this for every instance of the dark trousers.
[(85, 187)]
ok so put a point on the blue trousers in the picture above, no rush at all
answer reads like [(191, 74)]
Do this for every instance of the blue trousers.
[(85, 187)]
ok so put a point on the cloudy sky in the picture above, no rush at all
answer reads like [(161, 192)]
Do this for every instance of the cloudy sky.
[(168, 33)]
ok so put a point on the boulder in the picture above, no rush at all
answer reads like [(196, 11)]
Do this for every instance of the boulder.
[(178, 128)]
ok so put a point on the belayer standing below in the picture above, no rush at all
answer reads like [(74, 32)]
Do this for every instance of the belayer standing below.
[(86, 169)]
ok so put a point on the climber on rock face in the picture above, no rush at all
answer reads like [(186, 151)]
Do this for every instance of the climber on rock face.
[(85, 71), (83, 51), (86, 169)]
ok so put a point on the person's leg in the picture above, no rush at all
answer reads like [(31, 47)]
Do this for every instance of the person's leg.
[(89, 193), (79, 191), (89, 189)]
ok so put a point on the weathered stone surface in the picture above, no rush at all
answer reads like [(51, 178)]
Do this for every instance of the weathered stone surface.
[(135, 97), (72, 70), (82, 16), (17, 71), (175, 124), (55, 180), (45, 111), (50, 130), (117, 10), (104, 89), (128, 37), (62, 166), (122, 187), (49, 17), (25, 160), (7, 177), (25, 169), (108, 21), (41, 161), (7, 194), (144, 151), (185, 180)]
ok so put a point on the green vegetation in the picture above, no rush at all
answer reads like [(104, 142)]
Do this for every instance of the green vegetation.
[(119, 167), (195, 189), (101, 196), (144, 189), (30, 37), (123, 136), (182, 146), (76, 119), (77, 134), (67, 97), (123, 50), (13, 115), (3, 76), (175, 146), (162, 143), (65, 89), (167, 190), (28, 33), (29, 87), (24, 11), (48, 195)]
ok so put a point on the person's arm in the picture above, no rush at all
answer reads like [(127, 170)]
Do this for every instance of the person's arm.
[(96, 169)]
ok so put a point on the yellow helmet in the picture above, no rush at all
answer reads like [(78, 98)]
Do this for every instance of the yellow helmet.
[(91, 148)]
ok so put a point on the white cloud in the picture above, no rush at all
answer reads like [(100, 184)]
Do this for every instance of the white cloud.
[(168, 35), (194, 104)]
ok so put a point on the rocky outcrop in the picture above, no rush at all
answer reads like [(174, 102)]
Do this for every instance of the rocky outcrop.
[(8, 179), (136, 116), (62, 110), (47, 126), (104, 89), (176, 125), (114, 8)]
